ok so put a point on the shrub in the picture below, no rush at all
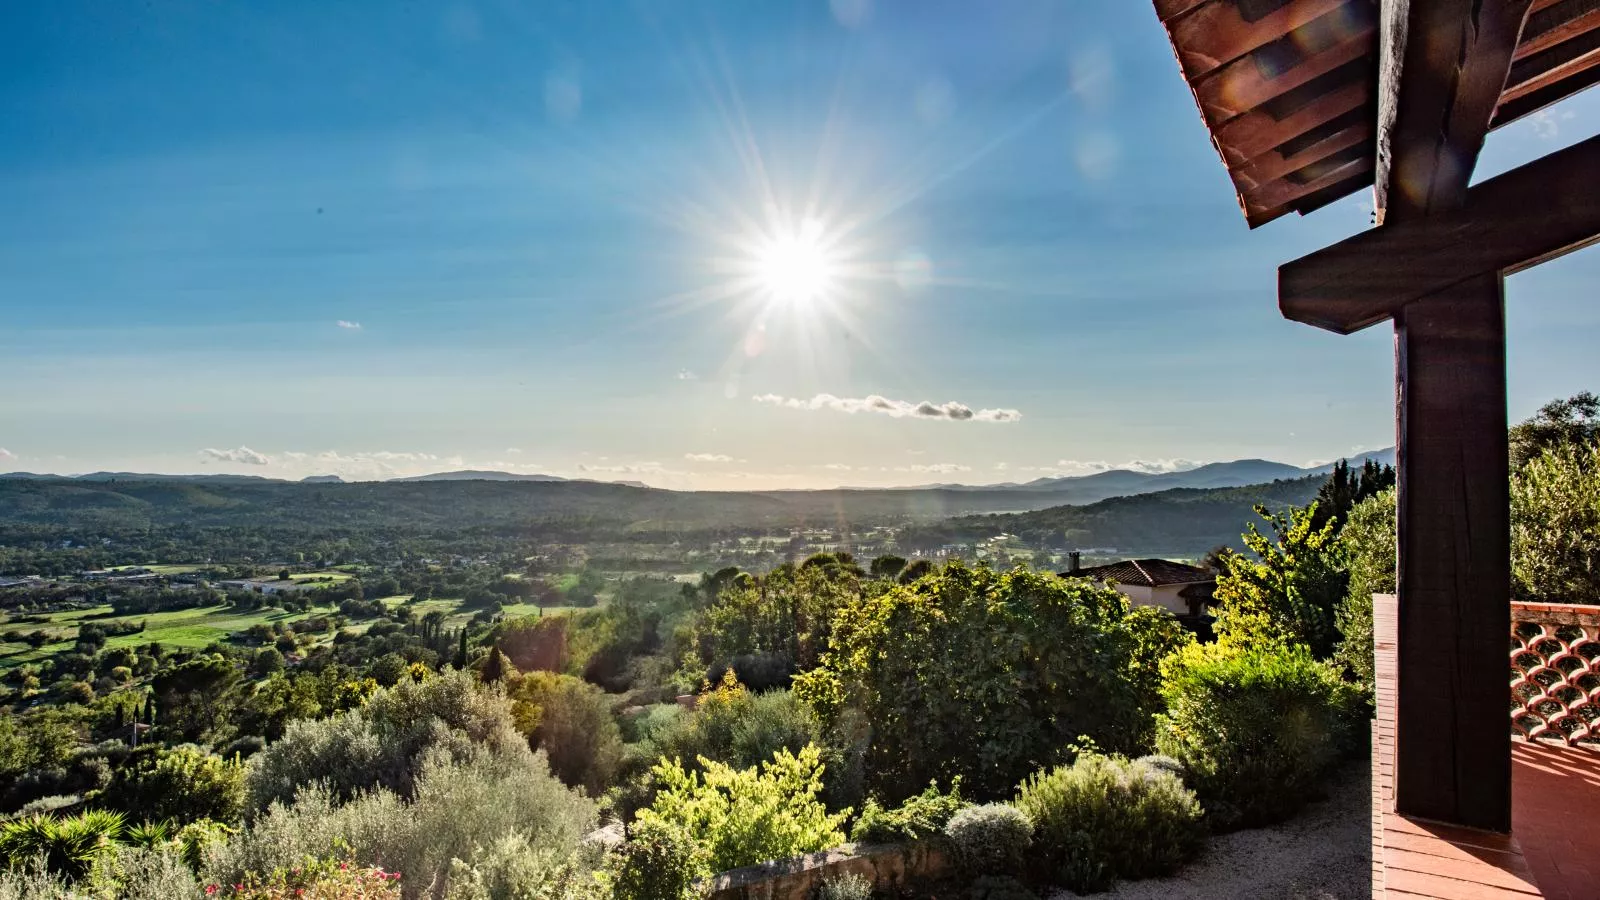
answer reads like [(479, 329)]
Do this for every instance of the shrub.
[(572, 723), (1369, 540), (919, 817), (992, 839), (659, 862), (157, 873), (1555, 521), (312, 879), (512, 868), (984, 675), (1285, 590), (1103, 818), (1255, 730), (384, 743), (183, 784), (462, 808), (34, 883), (742, 817), (849, 886)]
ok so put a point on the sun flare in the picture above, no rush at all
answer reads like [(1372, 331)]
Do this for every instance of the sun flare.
[(796, 266)]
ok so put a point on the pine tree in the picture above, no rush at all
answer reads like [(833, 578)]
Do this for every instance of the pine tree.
[(461, 651), (494, 668)]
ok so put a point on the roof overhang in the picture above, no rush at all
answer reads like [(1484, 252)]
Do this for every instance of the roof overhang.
[(1302, 97)]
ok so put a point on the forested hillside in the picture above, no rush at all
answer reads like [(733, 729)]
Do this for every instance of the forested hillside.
[(1182, 522)]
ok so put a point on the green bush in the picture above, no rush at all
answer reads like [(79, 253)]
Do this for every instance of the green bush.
[(729, 725), (659, 861), (462, 809), (1370, 544), (992, 839), (570, 720), (1555, 526), (919, 817), (849, 886), (1104, 818), (742, 817), (157, 873), (1256, 730), (384, 743), (985, 675), (32, 882), (182, 784)]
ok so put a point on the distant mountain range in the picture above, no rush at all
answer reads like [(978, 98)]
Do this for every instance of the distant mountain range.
[(480, 475), (935, 500), (1079, 489)]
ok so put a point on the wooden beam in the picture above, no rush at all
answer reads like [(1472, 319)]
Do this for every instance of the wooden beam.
[(1247, 137), (1284, 192), (1555, 64), (1556, 24), (1245, 84), (1526, 216), (1167, 10), (1217, 34), (1274, 166), (1530, 103), (1453, 742), (1442, 67)]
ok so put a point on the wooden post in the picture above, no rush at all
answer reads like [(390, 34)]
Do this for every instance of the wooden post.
[(1453, 743)]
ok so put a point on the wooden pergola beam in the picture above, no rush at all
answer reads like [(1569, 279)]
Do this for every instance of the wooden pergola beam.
[(1526, 216), (1442, 66)]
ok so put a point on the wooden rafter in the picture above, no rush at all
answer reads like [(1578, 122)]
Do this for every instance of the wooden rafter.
[(1442, 69), (1519, 219)]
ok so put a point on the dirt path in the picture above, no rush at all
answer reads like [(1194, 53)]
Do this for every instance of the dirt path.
[(1325, 853)]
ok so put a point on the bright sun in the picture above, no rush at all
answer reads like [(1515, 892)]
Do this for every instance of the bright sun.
[(796, 266)]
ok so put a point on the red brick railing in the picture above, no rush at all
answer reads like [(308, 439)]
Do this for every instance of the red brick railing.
[(1555, 672)]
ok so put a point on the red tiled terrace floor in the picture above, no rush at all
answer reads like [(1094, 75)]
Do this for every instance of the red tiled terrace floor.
[(1552, 852), (1555, 805)]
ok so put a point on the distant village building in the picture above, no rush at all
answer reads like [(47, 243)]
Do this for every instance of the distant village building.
[(1179, 588)]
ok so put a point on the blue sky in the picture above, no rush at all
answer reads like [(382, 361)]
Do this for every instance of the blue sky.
[(373, 238)]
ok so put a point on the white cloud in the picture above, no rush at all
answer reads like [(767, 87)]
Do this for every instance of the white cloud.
[(1064, 467), (836, 467), (1547, 124), (513, 450), (237, 455), (899, 409), (999, 467), (708, 457), (642, 468), (686, 375), (938, 468), (352, 326), (6, 454), (1160, 466)]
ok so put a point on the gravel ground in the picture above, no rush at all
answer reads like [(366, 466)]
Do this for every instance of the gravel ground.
[(1325, 853)]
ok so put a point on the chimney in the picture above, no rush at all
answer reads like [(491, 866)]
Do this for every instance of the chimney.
[(1074, 562)]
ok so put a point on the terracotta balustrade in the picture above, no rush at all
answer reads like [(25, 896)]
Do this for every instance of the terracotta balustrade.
[(1555, 672)]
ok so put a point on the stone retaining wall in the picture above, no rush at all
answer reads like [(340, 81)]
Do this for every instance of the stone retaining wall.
[(885, 865)]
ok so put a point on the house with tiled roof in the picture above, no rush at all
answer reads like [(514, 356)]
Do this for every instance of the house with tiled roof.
[(1179, 588)]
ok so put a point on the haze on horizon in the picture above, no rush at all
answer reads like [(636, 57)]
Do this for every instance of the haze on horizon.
[(699, 245)]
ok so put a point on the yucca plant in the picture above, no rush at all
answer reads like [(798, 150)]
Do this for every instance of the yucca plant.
[(67, 846), (149, 834)]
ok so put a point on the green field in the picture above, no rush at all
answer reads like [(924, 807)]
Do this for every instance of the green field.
[(200, 627), (173, 628)]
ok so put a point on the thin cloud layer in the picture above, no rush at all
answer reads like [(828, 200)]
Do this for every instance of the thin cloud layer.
[(349, 326), (237, 455), (6, 454), (708, 457), (899, 409)]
